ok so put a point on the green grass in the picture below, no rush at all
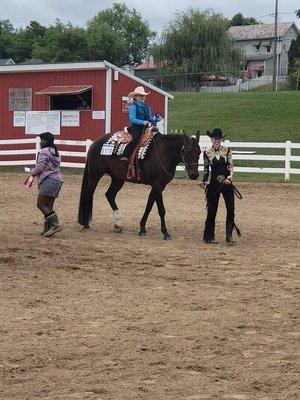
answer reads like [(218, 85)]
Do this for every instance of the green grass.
[(246, 116)]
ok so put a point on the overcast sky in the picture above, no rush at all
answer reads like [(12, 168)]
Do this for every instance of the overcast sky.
[(157, 12)]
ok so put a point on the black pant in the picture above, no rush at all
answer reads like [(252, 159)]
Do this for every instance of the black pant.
[(214, 190), (136, 132)]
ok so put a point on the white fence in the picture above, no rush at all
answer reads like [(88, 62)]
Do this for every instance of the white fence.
[(287, 158)]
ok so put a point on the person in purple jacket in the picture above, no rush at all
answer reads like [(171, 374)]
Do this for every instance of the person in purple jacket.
[(47, 170)]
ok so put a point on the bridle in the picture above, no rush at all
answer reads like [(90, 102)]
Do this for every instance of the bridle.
[(182, 155)]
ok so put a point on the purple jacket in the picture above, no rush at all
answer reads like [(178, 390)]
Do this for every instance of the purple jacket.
[(47, 165)]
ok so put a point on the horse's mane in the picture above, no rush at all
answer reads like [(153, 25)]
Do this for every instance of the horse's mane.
[(172, 136)]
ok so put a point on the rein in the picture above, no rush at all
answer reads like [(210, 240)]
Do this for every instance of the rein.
[(237, 193)]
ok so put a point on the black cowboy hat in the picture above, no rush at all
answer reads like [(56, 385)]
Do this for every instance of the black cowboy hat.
[(216, 133)]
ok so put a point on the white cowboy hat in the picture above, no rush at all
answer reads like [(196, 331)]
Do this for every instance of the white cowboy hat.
[(138, 91)]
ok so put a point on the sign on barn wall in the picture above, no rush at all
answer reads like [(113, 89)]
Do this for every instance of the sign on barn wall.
[(42, 121), (126, 103), (70, 118), (20, 99), (19, 118)]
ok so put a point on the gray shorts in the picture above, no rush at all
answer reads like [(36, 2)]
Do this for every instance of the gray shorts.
[(50, 187)]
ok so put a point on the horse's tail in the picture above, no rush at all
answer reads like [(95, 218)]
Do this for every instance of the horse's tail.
[(86, 200)]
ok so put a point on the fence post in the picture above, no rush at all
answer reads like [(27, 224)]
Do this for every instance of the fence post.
[(37, 146), (88, 143), (287, 166)]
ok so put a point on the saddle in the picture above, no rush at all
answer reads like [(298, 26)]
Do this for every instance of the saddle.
[(125, 137)]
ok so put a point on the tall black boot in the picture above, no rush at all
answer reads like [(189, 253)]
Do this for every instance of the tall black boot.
[(229, 229)]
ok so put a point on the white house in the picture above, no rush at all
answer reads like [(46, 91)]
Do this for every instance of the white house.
[(258, 41)]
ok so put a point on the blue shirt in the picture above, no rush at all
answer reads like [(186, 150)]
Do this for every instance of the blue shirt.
[(139, 112)]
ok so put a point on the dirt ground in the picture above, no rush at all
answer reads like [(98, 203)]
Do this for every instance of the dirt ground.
[(101, 315)]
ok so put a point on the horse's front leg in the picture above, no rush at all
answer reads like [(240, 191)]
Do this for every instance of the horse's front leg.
[(150, 202), (162, 213)]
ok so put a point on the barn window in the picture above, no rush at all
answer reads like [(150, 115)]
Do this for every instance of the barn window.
[(75, 97)]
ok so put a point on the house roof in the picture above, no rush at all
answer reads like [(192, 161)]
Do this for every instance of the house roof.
[(6, 61), (264, 31), (79, 66), (146, 66)]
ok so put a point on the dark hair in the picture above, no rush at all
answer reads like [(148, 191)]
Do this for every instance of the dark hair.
[(49, 139)]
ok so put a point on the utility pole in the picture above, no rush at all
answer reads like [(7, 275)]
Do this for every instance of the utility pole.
[(275, 64)]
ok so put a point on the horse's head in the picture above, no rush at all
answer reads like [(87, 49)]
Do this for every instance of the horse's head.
[(190, 155)]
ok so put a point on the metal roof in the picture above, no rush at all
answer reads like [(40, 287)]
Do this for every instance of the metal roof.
[(66, 90), (264, 31)]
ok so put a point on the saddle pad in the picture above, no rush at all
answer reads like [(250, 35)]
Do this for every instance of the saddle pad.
[(117, 143)]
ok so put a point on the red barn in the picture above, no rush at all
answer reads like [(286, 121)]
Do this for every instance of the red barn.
[(75, 101)]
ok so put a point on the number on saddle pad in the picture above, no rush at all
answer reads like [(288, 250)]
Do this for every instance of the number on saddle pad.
[(107, 149)]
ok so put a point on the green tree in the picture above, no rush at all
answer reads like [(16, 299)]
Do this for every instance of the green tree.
[(119, 35), (61, 43), (297, 12), (25, 40), (239, 20), (294, 63), (197, 43), (7, 34)]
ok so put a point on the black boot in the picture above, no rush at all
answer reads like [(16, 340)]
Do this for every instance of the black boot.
[(211, 241), (53, 224), (229, 229), (46, 227)]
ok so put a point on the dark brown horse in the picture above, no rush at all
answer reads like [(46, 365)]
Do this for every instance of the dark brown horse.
[(158, 169)]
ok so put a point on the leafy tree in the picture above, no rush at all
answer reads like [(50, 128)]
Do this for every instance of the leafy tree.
[(297, 12), (239, 20), (119, 35), (294, 76), (197, 43), (25, 39), (7, 33), (61, 43), (294, 63)]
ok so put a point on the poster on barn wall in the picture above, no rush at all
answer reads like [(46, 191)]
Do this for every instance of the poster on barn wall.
[(19, 118), (42, 121), (20, 99), (126, 103), (70, 118)]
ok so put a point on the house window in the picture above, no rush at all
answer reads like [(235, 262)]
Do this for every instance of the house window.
[(81, 101), (268, 48), (257, 44)]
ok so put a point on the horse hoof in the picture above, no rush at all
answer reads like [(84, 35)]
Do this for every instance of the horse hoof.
[(142, 233), (118, 229), (167, 237), (85, 228)]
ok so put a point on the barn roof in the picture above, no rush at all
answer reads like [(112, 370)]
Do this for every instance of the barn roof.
[(263, 31), (79, 66)]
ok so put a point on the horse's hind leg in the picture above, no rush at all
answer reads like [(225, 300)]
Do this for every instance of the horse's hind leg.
[(92, 184), (115, 186), (150, 202)]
